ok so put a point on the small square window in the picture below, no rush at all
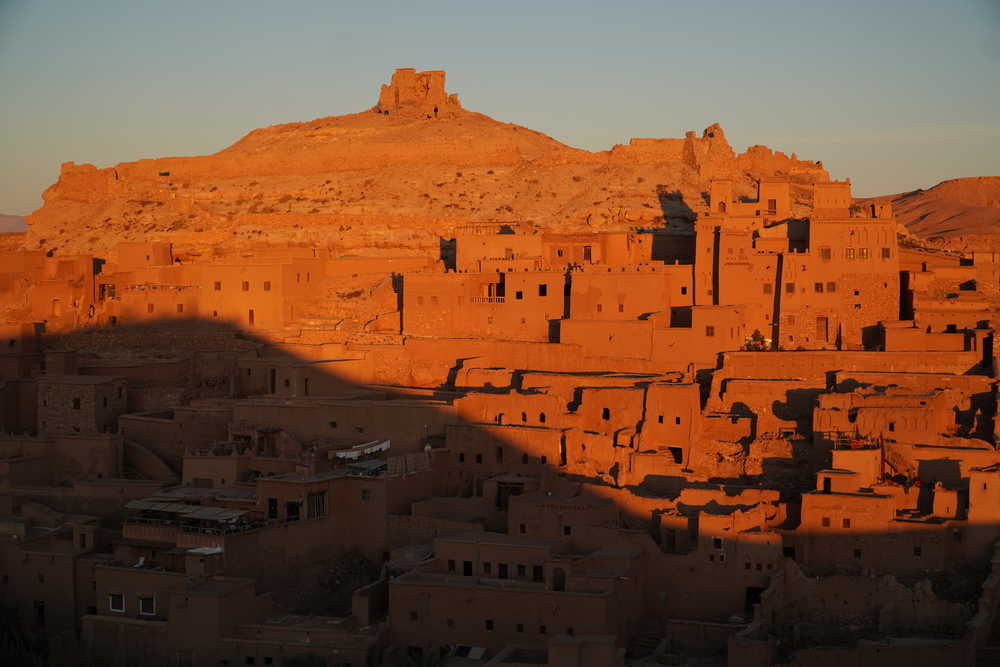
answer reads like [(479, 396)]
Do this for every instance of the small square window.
[(519, 295), (716, 542), (918, 551), (218, 286), (116, 602), (818, 288), (479, 458), (826, 522), (709, 331), (543, 290), (489, 625), (246, 285), (831, 287), (790, 288), (520, 627), (846, 523), (451, 564), (768, 288), (366, 494), (267, 285), (414, 615), (567, 530), (857, 554)]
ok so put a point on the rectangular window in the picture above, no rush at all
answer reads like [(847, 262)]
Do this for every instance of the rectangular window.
[(218, 286), (886, 253), (825, 254), (826, 522), (489, 625), (519, 295), (543, 290), (147, 605), (848, 253), (267, 285), (789, 288), (818, 287), (116, 602), (180, 308), (772, 206), (272, 508), (246, 285), (451, 564), (768, 288), (316, 504), (149, 307), (487, 567), (709, 331), (846, 523), (862, 253), (831, 287), (366, 494)]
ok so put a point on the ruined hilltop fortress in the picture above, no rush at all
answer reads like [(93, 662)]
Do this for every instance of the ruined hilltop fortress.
[(415, 384)]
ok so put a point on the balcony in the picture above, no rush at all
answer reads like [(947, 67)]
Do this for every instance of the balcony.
[(487, 299)]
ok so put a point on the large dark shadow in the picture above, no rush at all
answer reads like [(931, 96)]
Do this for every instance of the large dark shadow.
[(656, 548)]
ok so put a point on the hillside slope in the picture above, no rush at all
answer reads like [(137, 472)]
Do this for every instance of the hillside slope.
[(961, 207), (399, 175)]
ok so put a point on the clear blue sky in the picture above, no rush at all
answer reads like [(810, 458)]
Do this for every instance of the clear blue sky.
[(896, 94)]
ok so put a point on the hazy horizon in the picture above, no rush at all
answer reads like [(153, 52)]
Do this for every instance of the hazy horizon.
[(897, 96)]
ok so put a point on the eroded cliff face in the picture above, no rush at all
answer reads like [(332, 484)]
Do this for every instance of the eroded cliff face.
[(399, 175)]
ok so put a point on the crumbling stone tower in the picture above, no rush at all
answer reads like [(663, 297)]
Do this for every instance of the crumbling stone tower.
[(417, 95)]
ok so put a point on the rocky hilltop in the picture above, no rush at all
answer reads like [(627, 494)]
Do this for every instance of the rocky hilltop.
[(398, 175)]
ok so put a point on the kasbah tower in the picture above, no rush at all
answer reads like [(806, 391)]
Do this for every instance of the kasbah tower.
[(416, 386)]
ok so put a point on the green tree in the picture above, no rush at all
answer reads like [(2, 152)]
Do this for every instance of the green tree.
[(17, 646)]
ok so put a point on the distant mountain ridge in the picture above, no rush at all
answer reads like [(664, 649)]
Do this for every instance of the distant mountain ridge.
[(959, 207), (11, 223)]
